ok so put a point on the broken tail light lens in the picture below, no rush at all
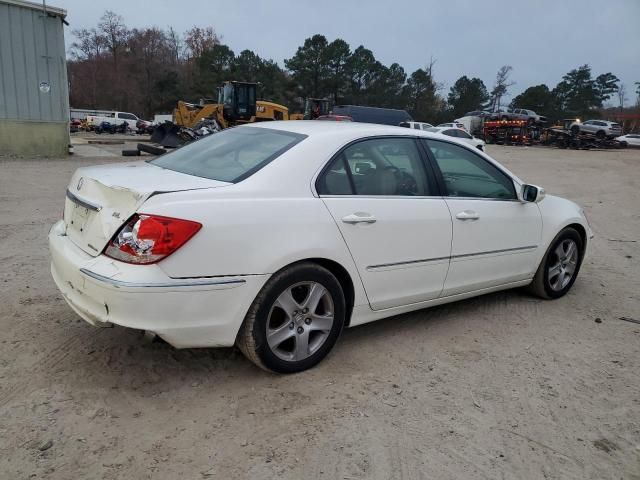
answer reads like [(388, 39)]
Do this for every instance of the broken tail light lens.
[(146, 239)]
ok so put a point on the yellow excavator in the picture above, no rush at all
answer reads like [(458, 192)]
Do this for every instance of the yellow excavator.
[(236, 104)]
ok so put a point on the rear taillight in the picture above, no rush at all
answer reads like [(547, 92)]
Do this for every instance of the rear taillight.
[(148, 239)]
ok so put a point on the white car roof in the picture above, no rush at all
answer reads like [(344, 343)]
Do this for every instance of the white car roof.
[(337, 130)]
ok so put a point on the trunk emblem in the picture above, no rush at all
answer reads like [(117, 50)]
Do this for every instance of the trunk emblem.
[(80, 182)]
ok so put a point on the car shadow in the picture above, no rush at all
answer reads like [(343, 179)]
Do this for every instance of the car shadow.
[(122, 359)]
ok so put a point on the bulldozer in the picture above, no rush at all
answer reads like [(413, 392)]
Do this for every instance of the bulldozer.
[(313, 108), (236, 104)]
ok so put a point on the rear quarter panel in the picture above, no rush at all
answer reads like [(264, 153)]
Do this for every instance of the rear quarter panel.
[(249, 236)]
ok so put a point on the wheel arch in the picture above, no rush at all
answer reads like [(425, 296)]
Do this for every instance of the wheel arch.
[(583, 235)]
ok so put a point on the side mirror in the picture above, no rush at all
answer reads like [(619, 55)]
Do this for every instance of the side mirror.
[(532, 193)]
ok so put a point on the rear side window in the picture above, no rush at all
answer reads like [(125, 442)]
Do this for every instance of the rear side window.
[(381, 166), (466, 174), (231, 155)]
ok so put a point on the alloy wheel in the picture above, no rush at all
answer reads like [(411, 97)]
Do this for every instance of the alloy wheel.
[(300, 321), (563, 265)]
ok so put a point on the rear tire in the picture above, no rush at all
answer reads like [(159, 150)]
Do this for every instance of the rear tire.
[(600, 134), (559, 267), (295, 320)]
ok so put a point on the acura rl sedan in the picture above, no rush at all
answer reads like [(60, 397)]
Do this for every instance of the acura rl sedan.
[(276, 236)]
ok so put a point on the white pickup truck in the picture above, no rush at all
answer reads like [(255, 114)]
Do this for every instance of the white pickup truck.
[(114, 118)]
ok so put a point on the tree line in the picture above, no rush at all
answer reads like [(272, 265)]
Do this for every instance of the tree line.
[(148, 70)]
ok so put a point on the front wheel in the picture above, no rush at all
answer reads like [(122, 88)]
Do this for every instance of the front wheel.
[(295, 320), (559, 267)]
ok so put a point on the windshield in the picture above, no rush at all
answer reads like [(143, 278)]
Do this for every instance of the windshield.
[(231, 155), (227, 94)]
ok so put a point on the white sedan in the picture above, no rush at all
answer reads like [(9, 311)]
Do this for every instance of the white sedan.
[(276, 236), (632, 139), (461, 134)]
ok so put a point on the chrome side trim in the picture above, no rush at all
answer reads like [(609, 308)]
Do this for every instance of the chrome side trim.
[(490, 252), (83, 203), (453, 257), (181, 283), (408, 262)]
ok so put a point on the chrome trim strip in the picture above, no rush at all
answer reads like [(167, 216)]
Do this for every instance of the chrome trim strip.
[(408, 262), (182, 283), (504, 250), (453, 257), (83, 203)]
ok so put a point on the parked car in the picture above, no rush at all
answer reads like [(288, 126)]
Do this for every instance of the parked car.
[(518, 114), (600, 128), (529, 115), (500, 114), (632, 139), (461, 134), (277, 235), (383, 116), (416, 125), (452, 125), (478, 113)]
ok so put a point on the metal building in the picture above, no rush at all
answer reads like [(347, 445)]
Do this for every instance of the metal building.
[(34, 94)]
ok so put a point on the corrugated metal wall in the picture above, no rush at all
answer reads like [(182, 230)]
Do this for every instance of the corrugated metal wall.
[(32, 52)]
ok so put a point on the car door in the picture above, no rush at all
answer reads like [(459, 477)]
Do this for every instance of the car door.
[(588, 126), (383, 197), (495, 236)]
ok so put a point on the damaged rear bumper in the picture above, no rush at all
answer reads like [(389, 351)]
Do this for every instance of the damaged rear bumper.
[(185, 312)]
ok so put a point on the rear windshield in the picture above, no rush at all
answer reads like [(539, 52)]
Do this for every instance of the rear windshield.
[(231, 155)]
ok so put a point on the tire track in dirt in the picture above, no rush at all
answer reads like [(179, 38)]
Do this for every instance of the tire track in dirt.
[(51, 359)]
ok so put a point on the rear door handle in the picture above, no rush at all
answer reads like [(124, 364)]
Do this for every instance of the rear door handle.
[(468, 215), (359, 217)]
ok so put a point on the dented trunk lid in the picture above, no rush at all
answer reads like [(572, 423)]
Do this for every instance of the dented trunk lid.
[(100, 199)]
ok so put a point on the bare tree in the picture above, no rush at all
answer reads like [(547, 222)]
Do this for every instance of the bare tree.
[(115, 33), (501, 86), (198, 40), (622, 95), (175, 44)]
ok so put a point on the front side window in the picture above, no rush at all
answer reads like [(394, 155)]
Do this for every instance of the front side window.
[(382, 166), (231, 155), (466, 174), (462, 134)]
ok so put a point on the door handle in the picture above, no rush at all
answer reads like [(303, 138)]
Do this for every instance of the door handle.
[(359, 217), (468, 215)]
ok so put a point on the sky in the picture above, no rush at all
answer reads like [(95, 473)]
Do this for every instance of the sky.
[(541, 39)]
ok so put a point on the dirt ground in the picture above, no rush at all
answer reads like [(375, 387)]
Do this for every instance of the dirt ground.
[(502, 386)]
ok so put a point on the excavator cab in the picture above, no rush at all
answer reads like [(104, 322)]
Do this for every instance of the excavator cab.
[(315, 107), (238, 100)]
